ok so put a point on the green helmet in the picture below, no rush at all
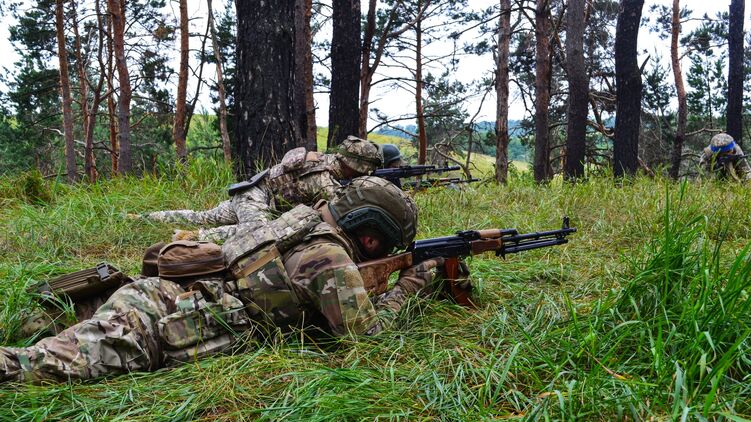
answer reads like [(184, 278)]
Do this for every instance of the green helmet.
[(375, 203), (391, 153), (360, 155)]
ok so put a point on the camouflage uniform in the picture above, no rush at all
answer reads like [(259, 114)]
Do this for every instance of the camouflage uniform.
[(723, 145), (297, 270), (302, 177)]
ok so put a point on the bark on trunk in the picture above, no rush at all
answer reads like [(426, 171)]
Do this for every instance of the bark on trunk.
[(304, 103), (578, 99), (266, 126), (628, 89), (422, 138), (365, 74), (502, 93), (735, 71), (88, 154), (542, 91), (345, 71), (226, 145), (179, 130), (62, 55), (680, 130), (117, 11), (111, 109)]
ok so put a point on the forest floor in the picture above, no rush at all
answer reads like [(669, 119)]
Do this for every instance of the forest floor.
[(645, 314)]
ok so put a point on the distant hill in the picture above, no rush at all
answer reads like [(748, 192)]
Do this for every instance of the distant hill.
[(407, 129)]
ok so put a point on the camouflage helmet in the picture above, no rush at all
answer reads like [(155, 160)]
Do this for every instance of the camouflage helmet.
[(372, 202), (360, 155), (391, 153), (722, 142)]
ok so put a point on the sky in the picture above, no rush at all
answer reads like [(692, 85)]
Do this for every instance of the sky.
[(398, 102)]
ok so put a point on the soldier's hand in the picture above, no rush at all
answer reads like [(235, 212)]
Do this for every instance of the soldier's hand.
[(184, 235), (132, 216), (419, 277)]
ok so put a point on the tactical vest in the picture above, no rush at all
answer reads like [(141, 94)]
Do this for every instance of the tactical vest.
[(283, 178), (254, 258)]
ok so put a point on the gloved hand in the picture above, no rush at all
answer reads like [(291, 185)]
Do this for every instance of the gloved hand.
[(132, 216), (178, 234), (419, 277)]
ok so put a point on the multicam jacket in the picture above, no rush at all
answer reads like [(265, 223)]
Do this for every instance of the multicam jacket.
[(303, 177)]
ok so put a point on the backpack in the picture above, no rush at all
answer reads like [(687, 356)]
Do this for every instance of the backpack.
[(186, 258)]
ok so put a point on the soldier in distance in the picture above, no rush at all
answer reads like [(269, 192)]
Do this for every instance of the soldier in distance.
[(298, 271), (725, 157)]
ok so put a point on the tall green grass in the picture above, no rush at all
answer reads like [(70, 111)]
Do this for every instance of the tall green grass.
[(642, 316)]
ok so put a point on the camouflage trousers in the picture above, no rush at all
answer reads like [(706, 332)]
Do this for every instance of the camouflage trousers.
[(249, 207), (120, 337)]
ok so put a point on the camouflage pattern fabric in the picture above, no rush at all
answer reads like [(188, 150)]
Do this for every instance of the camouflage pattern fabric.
[(360, 155), (738, 170), (145, 325), (252, 206), (301, 178), (152, 322)]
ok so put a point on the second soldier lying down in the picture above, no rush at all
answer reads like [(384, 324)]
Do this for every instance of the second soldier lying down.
[(302, 177)]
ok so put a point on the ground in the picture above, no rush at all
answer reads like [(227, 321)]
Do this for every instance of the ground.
[(644, 314)]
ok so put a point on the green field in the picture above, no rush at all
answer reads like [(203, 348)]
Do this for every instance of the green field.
[(646, 314)]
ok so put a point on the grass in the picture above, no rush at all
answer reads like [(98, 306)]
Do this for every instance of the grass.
[(644, 315)]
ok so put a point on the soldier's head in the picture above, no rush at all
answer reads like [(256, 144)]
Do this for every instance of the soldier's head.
[(358, 157), (376, 215), (722, 143), (392, 157)]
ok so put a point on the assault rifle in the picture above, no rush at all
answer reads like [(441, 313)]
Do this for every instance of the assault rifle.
[(394, 175), (375, 273), (432, 183), (721, 160)]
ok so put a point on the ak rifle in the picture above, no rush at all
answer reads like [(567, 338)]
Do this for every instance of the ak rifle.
[(394, 175), (432, 183), (376, 273)]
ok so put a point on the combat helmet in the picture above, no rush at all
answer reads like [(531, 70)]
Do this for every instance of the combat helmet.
[(722, 142), (375, 203), (391, 153), (360, 155)]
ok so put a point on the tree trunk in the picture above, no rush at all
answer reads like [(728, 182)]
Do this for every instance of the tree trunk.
[(266, 126), (735, 71), (62, 55), (578, 98), (226, 145), (305, 111), (680, 130), (117, 11), (628, 89), (542, 91), (89, 159), (502, 93), (111, 109), (179, 130), (345, 71), (422, 137), (365, 74)]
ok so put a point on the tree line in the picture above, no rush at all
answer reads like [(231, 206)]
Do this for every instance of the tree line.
[(95, 82)]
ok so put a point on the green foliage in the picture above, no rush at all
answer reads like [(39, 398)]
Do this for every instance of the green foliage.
[(33, 188), (644, 315)]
